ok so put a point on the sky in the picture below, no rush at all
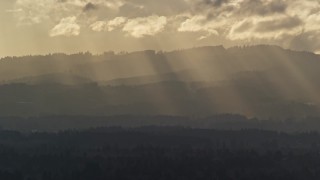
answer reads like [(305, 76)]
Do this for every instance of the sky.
[(70, 26)]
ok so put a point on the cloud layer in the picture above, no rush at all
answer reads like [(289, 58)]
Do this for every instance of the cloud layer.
[(67, 27), (282, 22)]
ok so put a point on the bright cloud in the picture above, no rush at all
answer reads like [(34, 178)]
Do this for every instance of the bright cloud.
[(109, 25), (98, 26), (199, 24), (67, 27), (146, 26), (116, 22)]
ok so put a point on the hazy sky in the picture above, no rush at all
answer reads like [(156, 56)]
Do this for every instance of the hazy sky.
[(44, 26)]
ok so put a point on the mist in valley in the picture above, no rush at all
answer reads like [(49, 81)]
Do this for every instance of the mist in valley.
[(260, 81)]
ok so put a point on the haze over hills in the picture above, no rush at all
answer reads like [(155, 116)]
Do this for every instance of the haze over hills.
[(256, 81)]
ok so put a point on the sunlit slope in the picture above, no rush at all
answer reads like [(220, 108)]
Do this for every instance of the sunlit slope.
[(202, 64), (258, 81)]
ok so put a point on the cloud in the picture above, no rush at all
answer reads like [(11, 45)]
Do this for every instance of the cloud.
[(135, 27), (113, 4), (14, 10), (38, 11), (278, 23), (33, 11), (199, 24), (270, 21), (116, 22), (262, 7), (108, 26), (98, 26), (145, 26), (313, 22), (275, 28), (212, 3), (67, 27), (90, 6)]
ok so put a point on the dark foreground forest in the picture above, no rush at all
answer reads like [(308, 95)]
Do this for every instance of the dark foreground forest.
[(159, 153)]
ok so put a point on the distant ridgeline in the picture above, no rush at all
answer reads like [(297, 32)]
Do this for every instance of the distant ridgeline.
[(257, 81), (217, 122)]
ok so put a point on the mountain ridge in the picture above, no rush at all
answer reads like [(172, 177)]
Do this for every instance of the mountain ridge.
[(259, 81)]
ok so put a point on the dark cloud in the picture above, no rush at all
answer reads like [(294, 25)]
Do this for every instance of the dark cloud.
[(89, 7), (279, 24), (207, 5), (150, 7), (262, 8), (279, 29), (216, 3), (131, 11)]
